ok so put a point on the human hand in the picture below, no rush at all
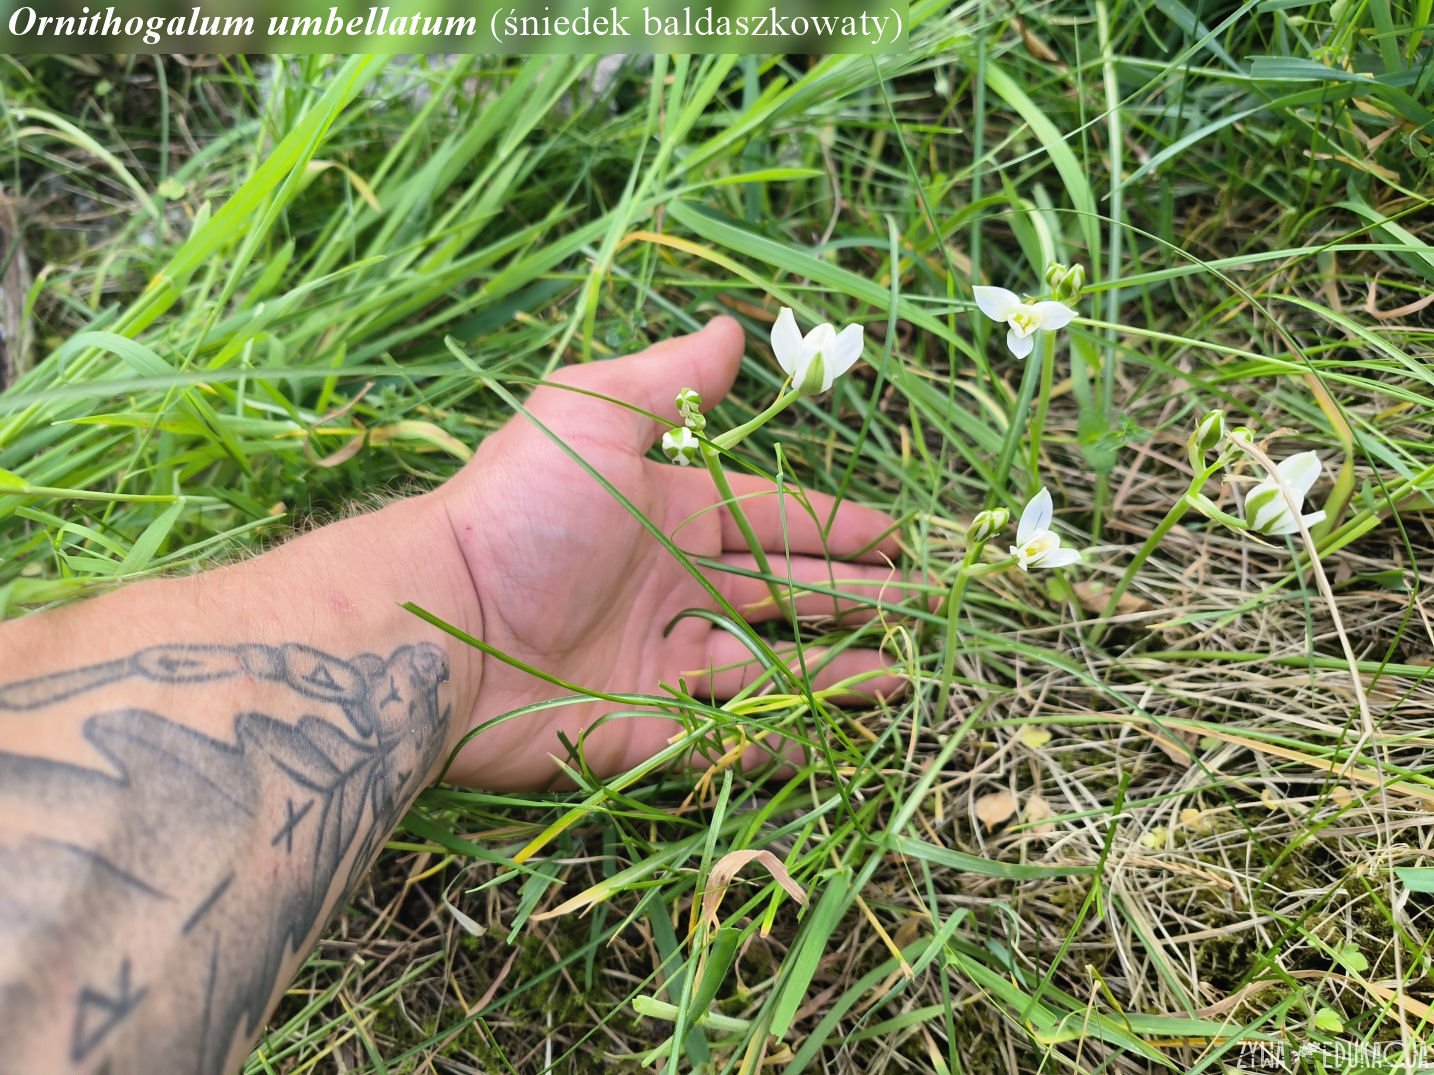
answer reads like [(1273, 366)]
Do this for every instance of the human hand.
[(570, 582)]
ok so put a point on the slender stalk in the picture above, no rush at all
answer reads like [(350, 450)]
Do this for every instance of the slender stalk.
[(953, 610), (27, 489), (713, 459), (1043, 402), (970, 568), (733, 437), (1173, 516), (1018, 421)]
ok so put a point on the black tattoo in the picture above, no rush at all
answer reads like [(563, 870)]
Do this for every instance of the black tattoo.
[(97, 1013), (129, 909)]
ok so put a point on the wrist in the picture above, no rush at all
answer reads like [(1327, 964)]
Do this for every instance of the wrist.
[(340, 589)]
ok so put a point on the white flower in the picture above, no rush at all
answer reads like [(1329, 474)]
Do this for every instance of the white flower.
[(1266, 509), (1037, 545), (813, 362), (681, 446), (1024, 317)]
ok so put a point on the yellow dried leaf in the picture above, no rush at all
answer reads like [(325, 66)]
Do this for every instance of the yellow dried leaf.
[(314, 167), (583, 901), (726, 868), (1034, 736), (1035, 46), (996, 808), (413, 429)]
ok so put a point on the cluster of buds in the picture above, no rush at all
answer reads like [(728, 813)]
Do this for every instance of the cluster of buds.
[(1066, 283), (689, 406), (681, 445), (986, 525)]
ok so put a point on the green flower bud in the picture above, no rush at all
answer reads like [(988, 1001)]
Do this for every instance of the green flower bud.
[(1209, 431), (689, 402), (1243, 433), (986, 525), (681, 446), (1066, 284)]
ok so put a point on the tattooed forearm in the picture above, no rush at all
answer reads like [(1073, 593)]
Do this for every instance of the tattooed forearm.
[(151, 893)]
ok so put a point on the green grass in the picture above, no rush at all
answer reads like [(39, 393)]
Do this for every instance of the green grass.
[(241, 269)]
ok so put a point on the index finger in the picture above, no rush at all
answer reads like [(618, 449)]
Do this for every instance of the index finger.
[(795, 519)]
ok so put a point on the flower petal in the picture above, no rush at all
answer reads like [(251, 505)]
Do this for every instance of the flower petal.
[(996, 302), (787, 341), (1300, 472), (1266, 511), (845, 350), (1058, 558), (1020, 345), (1053, 315), (1314, 517), (1035, 517), (817, 341)]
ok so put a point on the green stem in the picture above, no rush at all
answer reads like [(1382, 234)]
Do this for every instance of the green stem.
[(88, 494), (1043, 401), (713, 459), (1013, 431), (1173, 516), (953, 609), (733, 437), (969, 569)]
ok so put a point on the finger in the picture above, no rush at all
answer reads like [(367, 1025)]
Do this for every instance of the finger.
[(798, 520), (650, 380), (731, 667), (863, 585)]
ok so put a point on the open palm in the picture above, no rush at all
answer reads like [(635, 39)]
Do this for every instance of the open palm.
[(571, 582)]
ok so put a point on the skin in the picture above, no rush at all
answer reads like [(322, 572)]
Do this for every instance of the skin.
[(194, 772)]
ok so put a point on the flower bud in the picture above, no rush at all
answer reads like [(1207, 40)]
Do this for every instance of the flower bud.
[(1243, 433), (1209, 432), (1066, 284), (689, 402), (986, 525), (681, 446), (696, 421)]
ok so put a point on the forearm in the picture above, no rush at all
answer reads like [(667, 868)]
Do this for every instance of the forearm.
[(194, 771)]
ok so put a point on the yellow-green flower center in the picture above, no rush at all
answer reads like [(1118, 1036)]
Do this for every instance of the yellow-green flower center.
[(1038, 546), (1024, 321)]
